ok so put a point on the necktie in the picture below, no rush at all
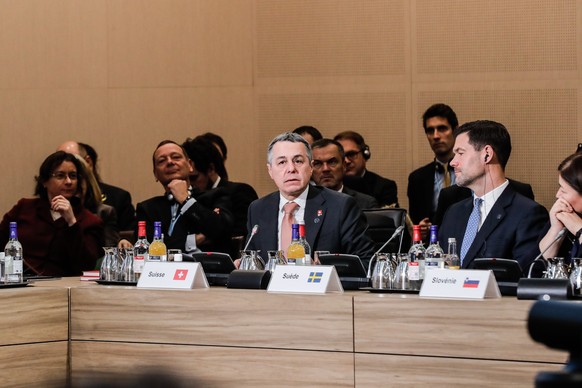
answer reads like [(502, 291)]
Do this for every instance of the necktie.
[(472, 228), (447, 180), (288, 218)]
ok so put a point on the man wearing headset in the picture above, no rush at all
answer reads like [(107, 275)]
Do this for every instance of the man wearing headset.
[(496, 222), (358, 177)]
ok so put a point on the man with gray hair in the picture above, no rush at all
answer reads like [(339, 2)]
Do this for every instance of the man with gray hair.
[(333, 221)]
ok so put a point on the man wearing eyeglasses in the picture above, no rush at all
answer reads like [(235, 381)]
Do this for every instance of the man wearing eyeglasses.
[(329, 169), (358, 177)]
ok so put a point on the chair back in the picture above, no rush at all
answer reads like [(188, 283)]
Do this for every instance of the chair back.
[(381, 225)]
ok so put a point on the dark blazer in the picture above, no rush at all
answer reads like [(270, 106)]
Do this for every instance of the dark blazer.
[(510, 231), (384, 190), (241, 196), (364, 201), (210, 215), (455, 194), (333, 222), (121, 202), (420, 193)]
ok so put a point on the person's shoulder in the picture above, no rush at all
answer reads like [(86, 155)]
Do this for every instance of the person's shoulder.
[(113, 190), (153, 201), (422, 171), (379, 179)]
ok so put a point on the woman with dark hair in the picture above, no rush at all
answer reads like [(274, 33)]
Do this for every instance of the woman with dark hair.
[(59, 236), (566, 211)]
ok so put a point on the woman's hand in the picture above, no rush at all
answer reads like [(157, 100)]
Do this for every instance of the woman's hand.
[(62, 206), (124, 244), (560, 206), (571, 220)]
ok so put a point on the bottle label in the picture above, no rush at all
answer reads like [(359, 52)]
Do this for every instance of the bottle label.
[(413, 271), (17, 265), (158, 258), (138, 263)]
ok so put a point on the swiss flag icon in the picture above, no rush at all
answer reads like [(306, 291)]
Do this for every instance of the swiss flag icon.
[(180, 274)]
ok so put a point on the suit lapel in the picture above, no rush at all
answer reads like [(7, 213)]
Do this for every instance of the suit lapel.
[(315, 212), (269, 233), (495, 217)]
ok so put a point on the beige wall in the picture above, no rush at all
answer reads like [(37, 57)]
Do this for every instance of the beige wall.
[(124, 74)]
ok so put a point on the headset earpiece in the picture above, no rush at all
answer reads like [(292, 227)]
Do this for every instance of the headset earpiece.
[(486, 157), (366, 152)]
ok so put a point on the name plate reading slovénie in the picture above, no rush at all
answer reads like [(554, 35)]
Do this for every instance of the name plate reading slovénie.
[(168, 274), (460, 284), (305, 279)]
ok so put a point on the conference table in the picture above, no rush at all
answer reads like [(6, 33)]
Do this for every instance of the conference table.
[(77, 331)]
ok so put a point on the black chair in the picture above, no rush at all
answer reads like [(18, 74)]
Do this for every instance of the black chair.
[(381, 225)]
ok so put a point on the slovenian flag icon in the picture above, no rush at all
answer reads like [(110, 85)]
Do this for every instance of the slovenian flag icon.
[(468, 283), (314, 277)]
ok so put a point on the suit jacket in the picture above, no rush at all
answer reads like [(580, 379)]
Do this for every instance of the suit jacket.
[(121, 202), (51, 247), (384, 190), (364, 201), (333, 222), (209, 215), (241, 196), (510, 231), (455, 194), (420, 193)]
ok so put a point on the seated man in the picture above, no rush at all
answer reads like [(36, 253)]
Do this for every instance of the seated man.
[(329, 168), (333, 221), (497, 222), (209, 174), (453, 194), (185, 212), (358, 177)]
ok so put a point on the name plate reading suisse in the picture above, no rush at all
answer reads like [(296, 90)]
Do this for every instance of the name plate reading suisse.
[(172, 274), (305, 279), (460, 284)]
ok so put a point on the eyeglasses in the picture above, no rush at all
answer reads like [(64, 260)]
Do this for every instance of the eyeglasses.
[(61, 176), (352, 155), (332, 163)]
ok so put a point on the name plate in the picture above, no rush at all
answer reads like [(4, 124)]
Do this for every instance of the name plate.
[(305, 279), (461, 284), (172, 274)]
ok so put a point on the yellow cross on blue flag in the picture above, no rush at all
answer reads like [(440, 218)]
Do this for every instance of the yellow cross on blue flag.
[(314, 277)]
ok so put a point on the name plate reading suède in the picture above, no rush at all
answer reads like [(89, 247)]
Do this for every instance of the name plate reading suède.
[(168, 274), (305, 279), (461, 284)]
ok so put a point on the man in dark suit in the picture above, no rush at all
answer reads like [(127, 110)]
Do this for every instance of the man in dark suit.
[(185, 212), (208, 174), (358, 177), (329, 168), (497, 222), (453, 194), (333, 221), (425, 183)]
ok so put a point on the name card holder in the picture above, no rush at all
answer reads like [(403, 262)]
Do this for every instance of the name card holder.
[(459, 284), (172, 274), (305, 279)]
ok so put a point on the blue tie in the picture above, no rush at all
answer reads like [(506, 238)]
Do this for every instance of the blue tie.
[(472, 228)]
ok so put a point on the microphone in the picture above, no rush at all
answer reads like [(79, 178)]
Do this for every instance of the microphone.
[(253, 232), (541, 255), (394, 235)]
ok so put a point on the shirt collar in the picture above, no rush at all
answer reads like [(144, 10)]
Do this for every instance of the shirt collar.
[(301, 200)]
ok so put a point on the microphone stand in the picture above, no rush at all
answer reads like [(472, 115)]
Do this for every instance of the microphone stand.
[(253, 232), (541, 255), (396, 233)]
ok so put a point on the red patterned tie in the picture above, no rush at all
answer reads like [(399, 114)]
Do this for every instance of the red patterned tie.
[(288, 219)]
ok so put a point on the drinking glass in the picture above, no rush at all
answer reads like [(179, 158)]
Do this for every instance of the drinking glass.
[(383, 275), (275, 258)]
